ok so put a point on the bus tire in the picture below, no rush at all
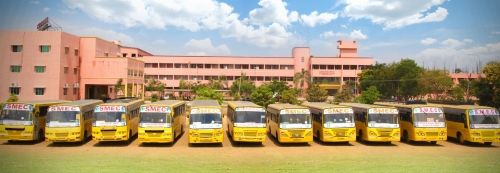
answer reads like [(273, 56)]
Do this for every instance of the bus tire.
[(460, 139), (434, 142), (41, 136), (405, 137), (318, 135), (130, 136), (488, 143), (360, 136)]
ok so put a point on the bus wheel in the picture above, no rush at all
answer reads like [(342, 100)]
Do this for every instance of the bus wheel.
[(460, 139), (488, 143), (360, 136), (130, 136), (434, 142), (405, 137), (317, 135), (40, 136)]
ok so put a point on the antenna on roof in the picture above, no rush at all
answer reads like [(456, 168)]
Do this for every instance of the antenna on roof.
[(48, 25)]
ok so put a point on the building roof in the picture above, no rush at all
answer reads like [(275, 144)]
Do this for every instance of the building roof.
[(322, 105)]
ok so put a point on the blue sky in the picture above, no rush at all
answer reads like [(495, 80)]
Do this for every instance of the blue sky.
[(441, 33)]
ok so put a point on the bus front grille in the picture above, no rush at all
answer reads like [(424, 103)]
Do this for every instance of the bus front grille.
[(153, 134), (297, 133), (431, 133), (250, 133), (385, 133), (108, 132), (340, 133), (488, 133), (61, 135), (206, 135)]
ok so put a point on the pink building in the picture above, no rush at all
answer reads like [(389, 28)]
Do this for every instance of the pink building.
[(457, 77), (41, 65), (330, 72)]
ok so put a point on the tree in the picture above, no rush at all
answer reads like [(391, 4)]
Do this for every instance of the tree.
[(346, 94), (316, 94), (262, 95), (487, 89), (290, 96), (118, 86), (207, 93), (370, 95), (215, 84), (12, 98), (154, 97), (300, 79), (434, 82), (277, 87), (242, 87), (407, 71), (457, 93), (458, 70)]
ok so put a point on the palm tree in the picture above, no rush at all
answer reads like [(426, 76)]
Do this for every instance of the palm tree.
[(300, 79)]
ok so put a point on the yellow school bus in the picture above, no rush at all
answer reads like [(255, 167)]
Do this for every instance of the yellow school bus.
[(70, 122), (420, 122), (205, 122), (116, 120), (246, 121), (332, 123), (25, 121), (472, 123), (161, 122), (289, 123), (375, 123)]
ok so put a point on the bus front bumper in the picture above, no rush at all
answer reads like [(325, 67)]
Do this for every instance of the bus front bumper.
[(155, 135), (110, 133), (301, 136), (70, 134), (206, 135), (16, 133), (249, 135), (339, 135)]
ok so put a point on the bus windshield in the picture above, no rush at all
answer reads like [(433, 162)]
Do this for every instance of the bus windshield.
[(16, 115), (383, 120), (429, 120), (154, 117), (205, 118), (108, 116), (484, 121), (295, 119), (250, 117), (62, 116), (338, 118)]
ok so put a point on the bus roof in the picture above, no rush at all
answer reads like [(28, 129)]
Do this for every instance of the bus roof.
[(81, 102), (322, 105), (281, 106), (123, 103), (166, 102), (41, 102), (361, 105), (402, 105), (205, 103), (463, 106), (235, 104)]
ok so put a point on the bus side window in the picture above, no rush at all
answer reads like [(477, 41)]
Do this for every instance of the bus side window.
[(463, 120)]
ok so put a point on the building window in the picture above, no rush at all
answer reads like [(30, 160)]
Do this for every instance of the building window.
[(65, 91), (44, 48), (15, 90), (75, 90), (106, 54), (124, 54), (39, 69), (15, 68), (17, 48), (66, 69), (75, 70), (66, 50), (133, 55), (39, 91), (76, 52), (302, 59)]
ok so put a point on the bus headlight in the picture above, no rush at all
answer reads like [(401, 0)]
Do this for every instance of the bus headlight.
[(475, 134), (498, 133), (396, 134), (284, 134), (443, 133), (372, 133)]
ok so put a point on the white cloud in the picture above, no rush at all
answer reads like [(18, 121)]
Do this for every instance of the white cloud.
[(428, 41), (395, 13), (46, 9), (354, 35), (314, 18), (205, 47), (272, 11), (159, 42), (343, 26), (453, 43), (466, 57), (495, 32)]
